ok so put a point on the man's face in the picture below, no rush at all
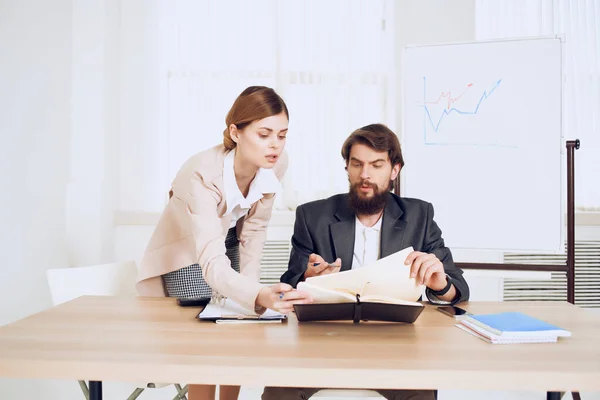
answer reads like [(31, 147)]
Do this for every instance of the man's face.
[(370, 173)]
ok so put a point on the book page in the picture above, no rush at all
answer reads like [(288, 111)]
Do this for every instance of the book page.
[(387, 277), (321, 295)]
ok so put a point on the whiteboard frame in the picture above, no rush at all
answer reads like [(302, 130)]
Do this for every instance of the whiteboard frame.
[(563, 186)]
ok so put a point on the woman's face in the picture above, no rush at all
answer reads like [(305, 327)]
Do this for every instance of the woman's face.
[(261, 142)]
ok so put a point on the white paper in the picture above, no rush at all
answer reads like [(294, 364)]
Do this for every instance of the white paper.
[(233, 310)]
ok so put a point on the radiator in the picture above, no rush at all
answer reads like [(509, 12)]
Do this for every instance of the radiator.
[(274, 263), (587, 277)]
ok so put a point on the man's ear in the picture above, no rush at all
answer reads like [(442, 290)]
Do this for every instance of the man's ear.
[(234, 133), (395, 171)]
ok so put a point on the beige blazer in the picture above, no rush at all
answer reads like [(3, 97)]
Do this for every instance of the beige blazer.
[(192, 230)]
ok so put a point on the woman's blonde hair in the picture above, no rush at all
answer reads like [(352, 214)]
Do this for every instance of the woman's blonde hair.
[(254, 103)]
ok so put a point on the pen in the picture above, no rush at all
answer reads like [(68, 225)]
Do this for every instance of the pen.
[(328, 265), (239, 316)]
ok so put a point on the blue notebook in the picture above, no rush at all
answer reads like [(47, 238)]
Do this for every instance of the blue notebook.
[(516, 324)]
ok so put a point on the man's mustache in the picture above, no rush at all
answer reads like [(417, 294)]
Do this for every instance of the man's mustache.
[(365, 183)]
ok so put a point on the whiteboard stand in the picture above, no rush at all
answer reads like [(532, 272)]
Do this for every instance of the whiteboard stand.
[(569, 267)]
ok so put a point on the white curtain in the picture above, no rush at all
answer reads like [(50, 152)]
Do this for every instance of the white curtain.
[(578, 21), (332, 62)]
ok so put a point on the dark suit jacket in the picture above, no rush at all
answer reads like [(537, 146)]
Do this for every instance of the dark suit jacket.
[(327, 227)]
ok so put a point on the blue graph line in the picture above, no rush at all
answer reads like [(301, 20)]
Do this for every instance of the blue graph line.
[(435, 126)]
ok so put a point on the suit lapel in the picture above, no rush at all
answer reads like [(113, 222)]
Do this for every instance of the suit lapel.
[(342, 234), (392, 229)]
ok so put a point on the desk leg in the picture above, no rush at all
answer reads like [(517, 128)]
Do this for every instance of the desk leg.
[(95, 390), (553, 396)]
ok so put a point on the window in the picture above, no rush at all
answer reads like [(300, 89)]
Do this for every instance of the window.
[(331, 61)]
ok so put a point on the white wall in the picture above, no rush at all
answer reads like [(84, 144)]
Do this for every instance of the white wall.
[(58, 125), (35, 86), (140, 123), (95, 110)]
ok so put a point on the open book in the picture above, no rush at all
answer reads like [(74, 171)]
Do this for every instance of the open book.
[(381, 291)]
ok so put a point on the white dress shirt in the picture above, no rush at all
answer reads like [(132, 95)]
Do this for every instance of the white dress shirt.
[(265, 181), (366, 244)]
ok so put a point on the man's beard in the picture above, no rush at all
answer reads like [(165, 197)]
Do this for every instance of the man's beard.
[(368, 205)]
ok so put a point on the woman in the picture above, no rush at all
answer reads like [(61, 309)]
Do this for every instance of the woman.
[(212, 231)]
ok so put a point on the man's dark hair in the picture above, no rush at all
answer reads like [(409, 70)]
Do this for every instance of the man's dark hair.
[(378, 137)]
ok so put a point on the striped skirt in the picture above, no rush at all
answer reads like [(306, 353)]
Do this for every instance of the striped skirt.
[(188, 282)]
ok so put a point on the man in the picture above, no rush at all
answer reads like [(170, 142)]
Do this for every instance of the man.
[(370, 222)]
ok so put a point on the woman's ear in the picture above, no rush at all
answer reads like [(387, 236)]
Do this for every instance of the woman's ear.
[(234, 133)]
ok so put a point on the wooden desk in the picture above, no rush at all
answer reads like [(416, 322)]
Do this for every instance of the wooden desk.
[(154, 340)]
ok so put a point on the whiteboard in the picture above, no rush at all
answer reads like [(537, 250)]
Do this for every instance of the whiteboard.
[(482, 141)]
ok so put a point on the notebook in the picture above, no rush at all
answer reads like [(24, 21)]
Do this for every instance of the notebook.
[(511, 327), (495, 339), (515, 324), (233, 313)]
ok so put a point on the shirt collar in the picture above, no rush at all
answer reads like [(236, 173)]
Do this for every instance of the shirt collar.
[(264, 182), (376, 227)]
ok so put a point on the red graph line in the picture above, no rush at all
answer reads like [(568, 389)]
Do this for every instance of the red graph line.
[(451, 100)]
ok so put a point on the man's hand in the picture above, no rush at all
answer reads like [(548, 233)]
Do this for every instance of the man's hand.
[(317, 266), (427, 269)]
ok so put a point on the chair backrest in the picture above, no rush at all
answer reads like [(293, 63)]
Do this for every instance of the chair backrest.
[(115, 279)]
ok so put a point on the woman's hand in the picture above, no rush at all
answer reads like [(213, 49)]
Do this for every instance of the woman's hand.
[(281, 297)]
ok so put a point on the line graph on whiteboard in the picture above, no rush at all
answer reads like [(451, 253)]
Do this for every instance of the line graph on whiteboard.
[(459, 115)]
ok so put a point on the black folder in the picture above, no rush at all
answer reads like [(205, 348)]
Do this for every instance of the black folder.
[(359, 311)]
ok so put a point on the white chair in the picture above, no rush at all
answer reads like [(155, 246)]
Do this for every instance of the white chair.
[(115, 279)]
